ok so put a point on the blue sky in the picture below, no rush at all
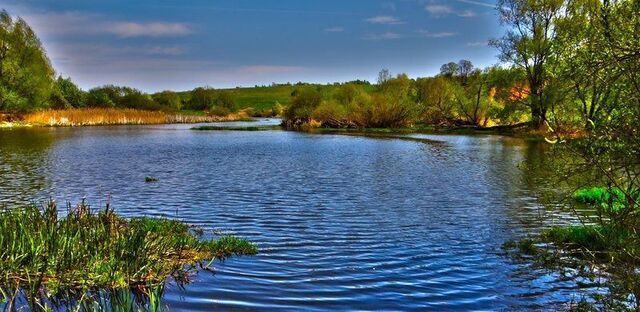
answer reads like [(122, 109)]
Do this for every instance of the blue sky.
[(168, 44)]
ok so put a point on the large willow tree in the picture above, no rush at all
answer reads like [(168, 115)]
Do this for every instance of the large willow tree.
[(26, 75)]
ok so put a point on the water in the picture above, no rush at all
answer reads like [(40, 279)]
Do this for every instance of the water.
[(341, 222)]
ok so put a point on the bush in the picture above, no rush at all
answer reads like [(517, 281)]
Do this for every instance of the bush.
[(329, 110), (168, 100), (389, 111), (219, 111), (303, 104)]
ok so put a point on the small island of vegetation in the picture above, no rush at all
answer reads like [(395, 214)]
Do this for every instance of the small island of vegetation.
[(94, 260)]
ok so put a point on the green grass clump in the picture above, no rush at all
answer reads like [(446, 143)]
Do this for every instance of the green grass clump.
[(609, 199), (591, 237), (44, 257)]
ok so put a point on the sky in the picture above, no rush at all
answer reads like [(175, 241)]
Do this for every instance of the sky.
[(156, 45)]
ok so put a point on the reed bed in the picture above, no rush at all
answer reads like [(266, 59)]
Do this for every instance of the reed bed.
[(90, 259), (117, 116)]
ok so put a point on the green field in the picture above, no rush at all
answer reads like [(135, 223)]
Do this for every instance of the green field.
[(263, 98)]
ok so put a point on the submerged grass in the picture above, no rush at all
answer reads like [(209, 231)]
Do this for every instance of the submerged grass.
[(47, 261), (219, 128)]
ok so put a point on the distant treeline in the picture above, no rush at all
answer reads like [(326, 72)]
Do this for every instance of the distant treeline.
[(460, 94)]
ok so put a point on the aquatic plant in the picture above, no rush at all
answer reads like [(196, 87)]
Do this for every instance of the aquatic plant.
[(87, 256)]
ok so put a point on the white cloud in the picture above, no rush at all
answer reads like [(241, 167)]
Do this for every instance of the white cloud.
[(389, 35), (334, 29), (384, 20), (157, 29), (443, 34), (439, 9), (443, 10), (73, 23), (467, 13), (479, 3)]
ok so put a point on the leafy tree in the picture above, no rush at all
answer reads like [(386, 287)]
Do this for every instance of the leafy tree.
[(303, 104), (202, 98), (225, 100), (136, 99), (506, 87), (529, 44), (465, 68), (329, 110), (449, 70), (435, 95), (26, 75), (348, 93), (70, 92), (169, 100), (99, 97), (473, 101)]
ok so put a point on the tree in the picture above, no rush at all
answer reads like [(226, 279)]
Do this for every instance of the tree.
[(169, 100), (70, 92), (136, 99), (529, 44), (435, 95), (99, 97), (303, 104), (225, 100), (26, 75), (465, 68), (449, 70), (202, 98), (383, 76), (473, 100)]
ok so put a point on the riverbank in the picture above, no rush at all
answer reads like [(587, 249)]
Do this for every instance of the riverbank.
[(112, 116)]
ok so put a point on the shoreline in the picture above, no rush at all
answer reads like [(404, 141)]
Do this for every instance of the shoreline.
[(112, 117)]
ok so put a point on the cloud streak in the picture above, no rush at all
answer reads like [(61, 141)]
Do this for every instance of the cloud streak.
[(384, 20), (389, 35), (440, 10), (157, 29), (68, 23)]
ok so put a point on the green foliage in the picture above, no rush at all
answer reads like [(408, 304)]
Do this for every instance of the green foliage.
[(329, 110), (49, 258), (72, 94), (169, 100), (26, 75), (304, 103), (436, 96), (606, 199), (529, 44), (202, 98), (590, 237), (217, 102)]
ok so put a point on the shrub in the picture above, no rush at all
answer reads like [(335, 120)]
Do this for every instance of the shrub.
[(169, 100), (329, 110), (219, 111), (303, 104)]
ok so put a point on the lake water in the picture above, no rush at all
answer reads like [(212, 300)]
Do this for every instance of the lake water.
[(341, 222)]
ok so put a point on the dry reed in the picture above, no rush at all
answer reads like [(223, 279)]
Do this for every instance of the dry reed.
[(115, 116)]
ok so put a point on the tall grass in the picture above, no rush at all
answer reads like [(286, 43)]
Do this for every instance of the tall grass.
[(96, 257), (116, 116)]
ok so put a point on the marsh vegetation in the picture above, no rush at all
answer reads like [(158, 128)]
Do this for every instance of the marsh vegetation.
[(86, 258)]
